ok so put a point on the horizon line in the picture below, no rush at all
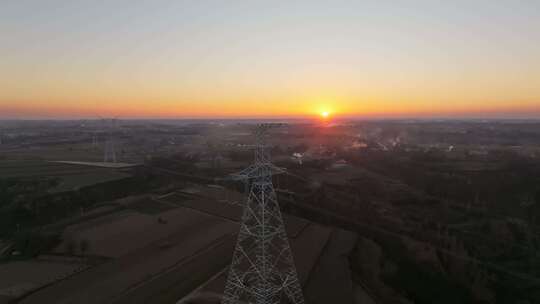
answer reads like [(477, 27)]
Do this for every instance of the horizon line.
[(340, 118)]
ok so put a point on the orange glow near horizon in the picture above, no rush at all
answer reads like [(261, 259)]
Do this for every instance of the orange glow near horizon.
[(292, 108)]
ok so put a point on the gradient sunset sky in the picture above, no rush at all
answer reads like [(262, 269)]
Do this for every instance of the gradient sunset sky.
[(179, 59)]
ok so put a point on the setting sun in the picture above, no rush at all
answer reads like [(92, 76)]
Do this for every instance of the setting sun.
[(325, 114)]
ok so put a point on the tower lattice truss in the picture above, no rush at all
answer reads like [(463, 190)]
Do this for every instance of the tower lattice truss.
[(109, 154), (262, 269)]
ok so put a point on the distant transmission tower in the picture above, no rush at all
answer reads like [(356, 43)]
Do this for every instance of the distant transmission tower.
[(262, 270), (110, 144), (94, 139), (1, 135)]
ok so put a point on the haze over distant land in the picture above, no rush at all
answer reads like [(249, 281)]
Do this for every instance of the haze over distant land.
[(238, 59)]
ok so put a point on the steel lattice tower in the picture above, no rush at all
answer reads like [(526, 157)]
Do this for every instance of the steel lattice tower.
[(110, 145), (262, 270)]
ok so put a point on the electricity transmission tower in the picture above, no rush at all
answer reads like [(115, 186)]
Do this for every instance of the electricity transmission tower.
[(262, 270), (94, 139), (110, 144)]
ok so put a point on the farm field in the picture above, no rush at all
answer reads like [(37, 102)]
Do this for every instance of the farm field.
[(17, 278), (151, 206), (161, 257), (332, 271), (76, 151), (117, 234), (313, 245), (210, 202), (68, 177), (87, 179), (38, 168), (190, 233)]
